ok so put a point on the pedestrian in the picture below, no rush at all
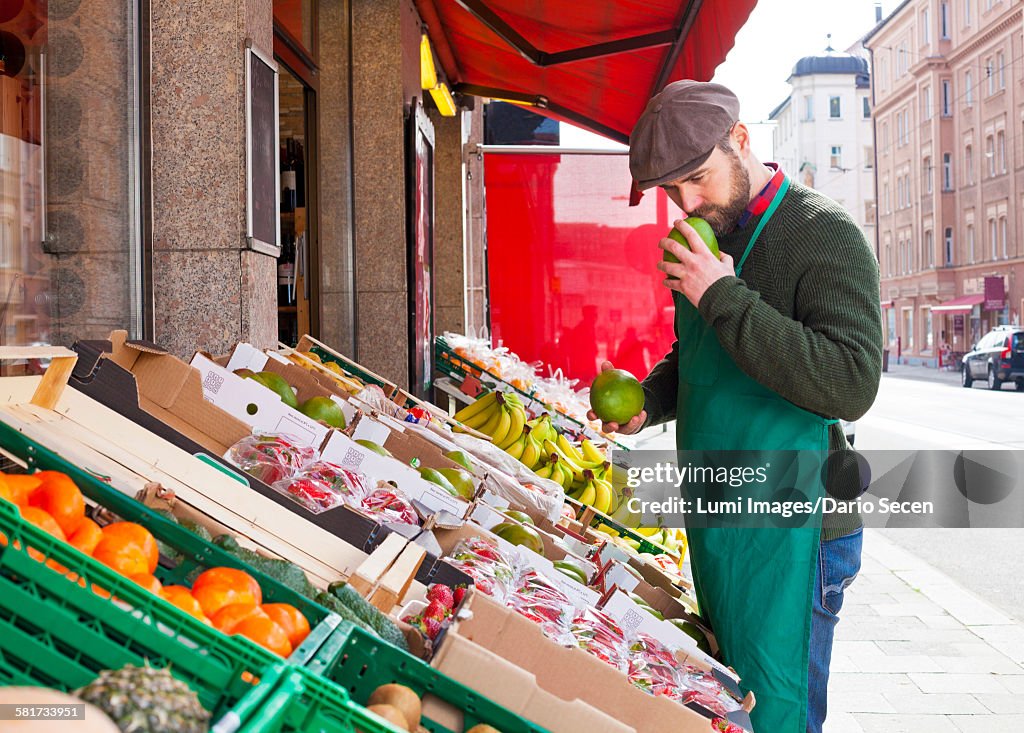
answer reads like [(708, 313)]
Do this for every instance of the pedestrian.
[(775, 340)]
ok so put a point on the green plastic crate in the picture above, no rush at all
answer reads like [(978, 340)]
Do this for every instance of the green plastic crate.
[(361, 663), (197, 553), (57, 633), (298, 701)]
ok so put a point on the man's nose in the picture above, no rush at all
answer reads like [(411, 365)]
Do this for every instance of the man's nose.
[(690, 199)]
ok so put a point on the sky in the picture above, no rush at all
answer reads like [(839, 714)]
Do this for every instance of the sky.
[(777, 34)]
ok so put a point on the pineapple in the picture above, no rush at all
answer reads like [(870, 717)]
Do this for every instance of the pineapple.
[(146, 700)]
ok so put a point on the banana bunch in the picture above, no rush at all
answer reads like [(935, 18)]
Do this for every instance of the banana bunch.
[(553, 468), (574, 459), (501, 416), (542, 428), (596, 492)]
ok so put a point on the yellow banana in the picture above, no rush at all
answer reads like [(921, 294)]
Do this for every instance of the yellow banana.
[(515, 431), (531, 453), (603, 500), (569, 449), (476, 407), (648, 531), (589, 495), (501, 432), (516, 449), (551, 447), (482, 418), (494, 420), (545, 470), (591, 453)]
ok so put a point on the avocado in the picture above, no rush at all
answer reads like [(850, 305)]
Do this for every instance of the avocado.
[(461, 480), (375, 447), (459, 457)]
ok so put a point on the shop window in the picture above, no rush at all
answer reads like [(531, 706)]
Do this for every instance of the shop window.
[(908, 329), (890, 325), (70, 244), (926, 328), (298, 19), (948, 249)]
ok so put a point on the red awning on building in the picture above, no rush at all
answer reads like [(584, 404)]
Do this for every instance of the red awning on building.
[(959, 305), (593, 64)]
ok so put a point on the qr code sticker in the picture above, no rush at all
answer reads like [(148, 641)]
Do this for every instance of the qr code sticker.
[(352, 458), (631, 620), (213, 382)]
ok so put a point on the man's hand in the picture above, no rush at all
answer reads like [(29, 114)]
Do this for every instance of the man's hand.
[(697, 268), (629, 428)]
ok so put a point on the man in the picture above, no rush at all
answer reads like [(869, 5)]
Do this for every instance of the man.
[(776, 340)]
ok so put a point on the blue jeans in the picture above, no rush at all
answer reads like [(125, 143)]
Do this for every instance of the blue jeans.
[(838, 565)]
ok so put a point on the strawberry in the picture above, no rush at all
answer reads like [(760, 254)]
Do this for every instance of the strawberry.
[(459, 594), (442, 594), (432, 627), (436, 609)]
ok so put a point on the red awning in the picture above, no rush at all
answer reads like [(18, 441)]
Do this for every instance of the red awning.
[(962, 304), (592, 64)]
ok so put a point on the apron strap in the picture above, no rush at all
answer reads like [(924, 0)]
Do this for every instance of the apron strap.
[(776, 200)]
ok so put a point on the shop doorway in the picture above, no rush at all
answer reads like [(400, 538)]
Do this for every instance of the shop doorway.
[(296, 274), (419, 144)]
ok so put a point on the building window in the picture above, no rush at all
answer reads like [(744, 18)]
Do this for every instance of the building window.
[(1002, 235), (968, 89), (869, 157), (890, 325), (969, 164), (885, 197), (1001, 150), (867, 108), (944, 20), (947, 98), (926, 103), (925, 28), (990, 72), (929, 245), (908, 329), (899, 129), (835, 159), (808, 107), (967, 12), (926, 327), (993, 243), (885, 138), (970, 244), (1001, 67), (899, 193), (901, 60), (883, 74), (990, 153), (948, 249), (927, 174), (947, 172), (911, 260), (869, 212), (834, 108)]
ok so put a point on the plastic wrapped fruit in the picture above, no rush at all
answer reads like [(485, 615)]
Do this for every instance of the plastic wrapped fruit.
[(539, 600), (598, 633), (390, 505), (270, 458), (321, 486)]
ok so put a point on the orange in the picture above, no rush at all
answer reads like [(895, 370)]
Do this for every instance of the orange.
[(21, 486), (127, 558), (266, 633), (59, 497), (232, 577), (46, 523), (214, 596), (5, 493), (181, 597), (121, 534), (87, 536), (290, 619), (147, 581), (228, 617)]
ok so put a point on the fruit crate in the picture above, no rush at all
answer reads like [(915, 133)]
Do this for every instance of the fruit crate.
[(598, 518), (391, 391), (360, 663), (297, 701), (59, 631), (195, 553), (452, 364)]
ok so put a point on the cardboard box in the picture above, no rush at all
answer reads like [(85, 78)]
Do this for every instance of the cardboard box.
[(571, 673), (517, 689), (405, 445)]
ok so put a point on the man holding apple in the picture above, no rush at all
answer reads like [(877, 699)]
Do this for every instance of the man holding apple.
[(777, 337)]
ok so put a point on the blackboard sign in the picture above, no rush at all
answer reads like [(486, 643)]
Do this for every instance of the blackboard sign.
[(263, 225)]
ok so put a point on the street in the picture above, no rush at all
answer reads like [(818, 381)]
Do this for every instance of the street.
[(921, 408)]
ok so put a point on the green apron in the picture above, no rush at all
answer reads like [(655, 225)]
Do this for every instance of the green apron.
[(753, 585)]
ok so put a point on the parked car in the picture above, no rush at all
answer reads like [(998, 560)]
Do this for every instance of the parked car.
[(998, 358)]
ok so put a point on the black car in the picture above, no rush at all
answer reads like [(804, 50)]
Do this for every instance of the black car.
[(997, 358)]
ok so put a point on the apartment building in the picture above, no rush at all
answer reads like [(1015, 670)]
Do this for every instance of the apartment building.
[(948, 95)]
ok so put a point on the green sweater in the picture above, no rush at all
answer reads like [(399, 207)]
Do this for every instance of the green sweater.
[(803, 320)]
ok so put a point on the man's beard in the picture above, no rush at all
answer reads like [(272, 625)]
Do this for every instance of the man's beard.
[(723, 219)]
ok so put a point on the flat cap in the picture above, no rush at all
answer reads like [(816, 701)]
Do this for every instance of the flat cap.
[(679, 130)]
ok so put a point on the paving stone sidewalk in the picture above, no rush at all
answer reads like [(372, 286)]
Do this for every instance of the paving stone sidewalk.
[(916, 653)]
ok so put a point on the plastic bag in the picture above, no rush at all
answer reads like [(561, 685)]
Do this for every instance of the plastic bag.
[(493, 572), (390, 505), (539, 600), (269, 457), (321, 486), (597, 633)]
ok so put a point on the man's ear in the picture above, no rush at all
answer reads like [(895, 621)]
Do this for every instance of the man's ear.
[(741, 138)]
